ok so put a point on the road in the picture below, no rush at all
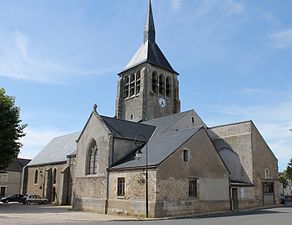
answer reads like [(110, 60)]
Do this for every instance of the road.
[(14, 214)]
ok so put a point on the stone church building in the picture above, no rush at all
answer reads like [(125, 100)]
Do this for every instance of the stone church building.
[(151, 159)]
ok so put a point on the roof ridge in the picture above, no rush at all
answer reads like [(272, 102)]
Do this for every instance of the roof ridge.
[(181, 130), (229, 124), (65, 135), (127, 121)]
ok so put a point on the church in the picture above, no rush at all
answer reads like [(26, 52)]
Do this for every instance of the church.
[(151, 159)]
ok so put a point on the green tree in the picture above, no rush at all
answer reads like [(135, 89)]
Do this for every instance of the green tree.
[(289, 170), (283, 179), (11, 129)]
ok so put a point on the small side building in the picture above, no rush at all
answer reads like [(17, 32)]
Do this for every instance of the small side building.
[(49, 174), (10, 178), (253, 166)]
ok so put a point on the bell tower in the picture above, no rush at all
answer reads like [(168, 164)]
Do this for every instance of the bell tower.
[(148, 87)]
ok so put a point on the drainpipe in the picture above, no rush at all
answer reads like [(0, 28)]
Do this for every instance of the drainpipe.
[(230, 195), (22, 182), (68, 180)]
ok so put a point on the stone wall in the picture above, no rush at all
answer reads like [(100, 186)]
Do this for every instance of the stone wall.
[(44, 185), (236, 137), (204, 165), (133, 202), (246, 197), (263, 158), (89, 190), (11, 181)]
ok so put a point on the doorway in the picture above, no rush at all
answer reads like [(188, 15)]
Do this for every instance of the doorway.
[(268, 193), (234, 198)]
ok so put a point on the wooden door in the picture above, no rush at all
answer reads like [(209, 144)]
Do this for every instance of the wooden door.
[(234, 198)]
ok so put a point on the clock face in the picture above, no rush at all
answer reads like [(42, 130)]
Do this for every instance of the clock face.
[(162, 102)]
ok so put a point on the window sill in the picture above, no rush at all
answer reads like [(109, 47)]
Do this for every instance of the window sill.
[(131, 97), (121, 197)]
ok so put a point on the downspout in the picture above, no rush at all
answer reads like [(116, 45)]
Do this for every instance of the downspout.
[(68, 181), (22, 183), (230, 195)]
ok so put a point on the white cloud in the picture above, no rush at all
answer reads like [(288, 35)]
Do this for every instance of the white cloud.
[(282, 39), (176, 5), (21, 61), (252, 91), (36, 139)]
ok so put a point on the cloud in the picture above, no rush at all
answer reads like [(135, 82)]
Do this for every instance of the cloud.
[(36, 139), (252, 91), (282, 39), (21, 61), (218, 9), (176, 5), (211, 15)]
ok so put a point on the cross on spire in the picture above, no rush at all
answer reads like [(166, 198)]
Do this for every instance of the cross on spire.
[(149, 30)]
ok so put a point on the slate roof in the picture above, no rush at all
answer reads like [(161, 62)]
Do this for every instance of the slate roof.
[(159, 147), (165, 122), (23, 162), (57, 150), (17, 165), (127, 129), (149, 52)]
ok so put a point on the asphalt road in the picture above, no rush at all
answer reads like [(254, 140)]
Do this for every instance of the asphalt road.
[(15, 214)]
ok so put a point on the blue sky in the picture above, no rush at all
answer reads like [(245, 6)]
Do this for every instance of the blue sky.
[(59, 57)]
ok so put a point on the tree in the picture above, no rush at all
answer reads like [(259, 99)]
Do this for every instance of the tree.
[(289, 170), (283, 178), (11, 129)]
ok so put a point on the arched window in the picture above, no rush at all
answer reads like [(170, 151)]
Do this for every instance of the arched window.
[(54, 176), (126, 87), (161, 85), (267, 173), (36, 175), (138, 82), (92, 158), (168, 87), (132, 84), (154, 82)]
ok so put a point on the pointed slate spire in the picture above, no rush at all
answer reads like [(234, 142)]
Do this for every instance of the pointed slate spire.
[(149, 51), (149, 30)]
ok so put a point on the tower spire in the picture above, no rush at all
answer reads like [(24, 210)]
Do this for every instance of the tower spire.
[(149, 30)]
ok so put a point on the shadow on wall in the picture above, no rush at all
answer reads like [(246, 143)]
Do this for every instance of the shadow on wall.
[(232, 161)]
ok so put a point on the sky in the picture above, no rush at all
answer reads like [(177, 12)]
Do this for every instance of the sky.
[(60, 57)]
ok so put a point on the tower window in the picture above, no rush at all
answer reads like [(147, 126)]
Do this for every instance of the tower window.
[(154, 82), (132, 84), (193, 120), (138, 82), (126, 87), (161, 84)]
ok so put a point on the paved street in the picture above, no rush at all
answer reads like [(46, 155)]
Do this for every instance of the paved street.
[(16, 214)]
